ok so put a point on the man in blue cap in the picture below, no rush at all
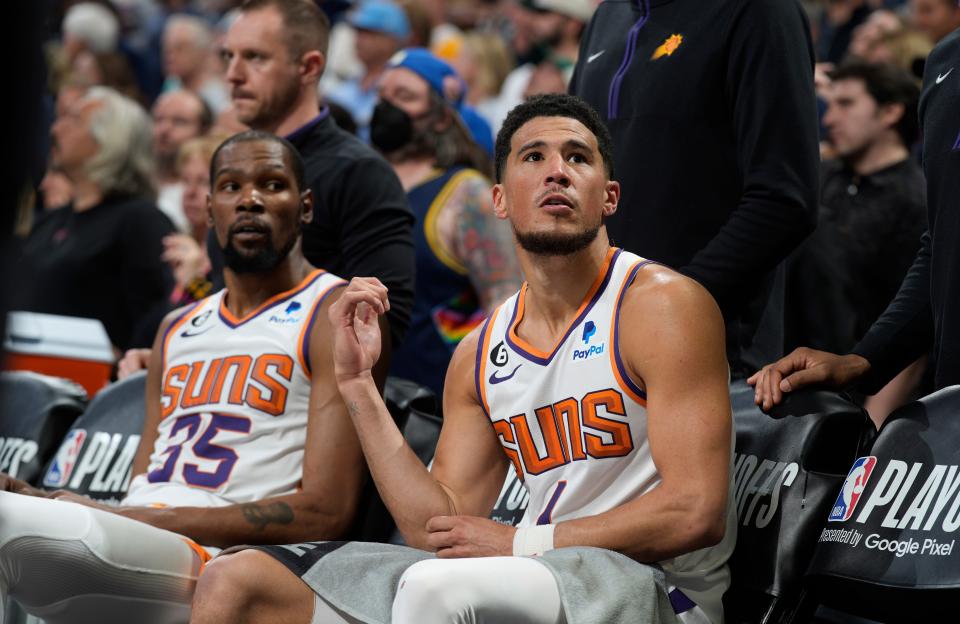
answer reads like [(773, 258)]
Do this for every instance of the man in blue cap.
[(382, 29), (466, 263)]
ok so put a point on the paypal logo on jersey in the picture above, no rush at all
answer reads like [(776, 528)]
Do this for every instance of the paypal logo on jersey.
[(589, 329), (290, 315), (592, 351)]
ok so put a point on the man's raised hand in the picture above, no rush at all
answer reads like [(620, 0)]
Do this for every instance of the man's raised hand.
[(356, 332)]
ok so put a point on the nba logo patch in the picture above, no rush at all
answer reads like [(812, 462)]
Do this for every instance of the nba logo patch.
[(852, 489), (59, 473)]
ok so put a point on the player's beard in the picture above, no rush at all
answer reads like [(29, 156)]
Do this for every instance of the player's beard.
[(554, 244), (264, 260)]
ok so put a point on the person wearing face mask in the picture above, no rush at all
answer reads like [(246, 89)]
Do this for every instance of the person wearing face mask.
[(465, 260)]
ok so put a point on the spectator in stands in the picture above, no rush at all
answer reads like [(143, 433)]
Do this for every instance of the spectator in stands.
[(186, 253), (484, 62), (923, 315), (286, 464), (88, 26), (556, 28), (382, 28), (275, 54), (189, 62), (99, 257), (840, 19), (106, 69), (872, 213), (935, 18), (178, 116), (466, 263)]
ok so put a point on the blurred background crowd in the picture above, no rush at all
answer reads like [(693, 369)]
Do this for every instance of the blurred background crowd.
[(139, 93)]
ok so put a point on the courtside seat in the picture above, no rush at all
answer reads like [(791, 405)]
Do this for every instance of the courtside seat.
[(37, 410), (888, 548), (96, 456), (788, 468)]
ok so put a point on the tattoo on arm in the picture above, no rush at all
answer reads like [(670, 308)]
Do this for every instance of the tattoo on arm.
[(262, 515), (353, 407), (485, 245)]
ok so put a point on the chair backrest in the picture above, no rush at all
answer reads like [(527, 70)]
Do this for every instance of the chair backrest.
[(35, 413), (96, 455), (886, 548), (788, 468), (512, 502)]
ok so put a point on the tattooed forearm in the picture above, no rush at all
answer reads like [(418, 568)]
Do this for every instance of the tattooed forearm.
[(353, 407), (262, 515)]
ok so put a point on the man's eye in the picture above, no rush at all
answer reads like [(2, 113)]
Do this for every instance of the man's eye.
[(228, 186), (275, 185), (533, 156), (577, 158)]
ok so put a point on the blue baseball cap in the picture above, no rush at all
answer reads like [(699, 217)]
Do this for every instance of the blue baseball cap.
[(429, 67), (381, 16)]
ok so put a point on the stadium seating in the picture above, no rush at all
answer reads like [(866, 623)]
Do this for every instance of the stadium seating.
[(37, 410), (788, 469), (96, 455), (887, 550)]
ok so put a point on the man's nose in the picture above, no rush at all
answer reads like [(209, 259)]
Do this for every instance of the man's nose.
[(557, 172), (250, 199), (235, 72)]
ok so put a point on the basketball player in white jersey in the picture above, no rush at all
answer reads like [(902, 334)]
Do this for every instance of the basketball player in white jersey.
[(603, 383), (246, 438)]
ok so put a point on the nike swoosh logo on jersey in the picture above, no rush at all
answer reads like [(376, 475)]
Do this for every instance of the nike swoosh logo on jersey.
[(594, 57), (188, 334), (495, 380), (941, 78)]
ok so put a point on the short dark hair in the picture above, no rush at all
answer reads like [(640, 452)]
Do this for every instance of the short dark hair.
[(305, 26), (887, 84), (552, 105), (296, 161)]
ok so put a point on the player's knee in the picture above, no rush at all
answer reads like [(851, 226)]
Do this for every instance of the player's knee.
[(229, 585), (430, 591)]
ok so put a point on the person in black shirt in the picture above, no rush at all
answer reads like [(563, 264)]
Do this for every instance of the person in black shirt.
[(275, 54), (714, 122), (871, 210), (924, 313), (99, 257)]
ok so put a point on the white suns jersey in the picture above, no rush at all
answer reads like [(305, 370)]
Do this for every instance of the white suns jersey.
[(234, 401), (574, 424)]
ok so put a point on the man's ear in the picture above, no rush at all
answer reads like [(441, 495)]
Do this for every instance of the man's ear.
[(312, 65), (306, 206), (611, 198), (499, 202), (891, 114)]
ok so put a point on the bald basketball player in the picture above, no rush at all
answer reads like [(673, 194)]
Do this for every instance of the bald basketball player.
[(246, 438)]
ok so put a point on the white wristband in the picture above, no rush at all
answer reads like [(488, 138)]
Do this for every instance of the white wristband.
[(534, 540)]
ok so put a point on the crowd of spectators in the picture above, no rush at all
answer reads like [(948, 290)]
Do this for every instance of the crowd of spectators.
[(116, 228)]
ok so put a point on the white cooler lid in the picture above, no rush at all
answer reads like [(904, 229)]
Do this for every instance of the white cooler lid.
[(33, 333)]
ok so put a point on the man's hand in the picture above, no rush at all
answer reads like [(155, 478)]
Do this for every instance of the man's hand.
[(356, 332), (133, 360), (805, 367), (469, 536), (12, 484), (185, 257)]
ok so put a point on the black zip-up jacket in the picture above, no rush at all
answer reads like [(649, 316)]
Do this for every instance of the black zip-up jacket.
[(713, 115), (926, 311)]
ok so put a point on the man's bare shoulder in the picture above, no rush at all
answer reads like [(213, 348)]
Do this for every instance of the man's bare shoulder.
[(658, 289)]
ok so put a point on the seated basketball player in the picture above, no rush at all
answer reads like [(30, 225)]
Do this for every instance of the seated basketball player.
[(246, 438), (603, 383)]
